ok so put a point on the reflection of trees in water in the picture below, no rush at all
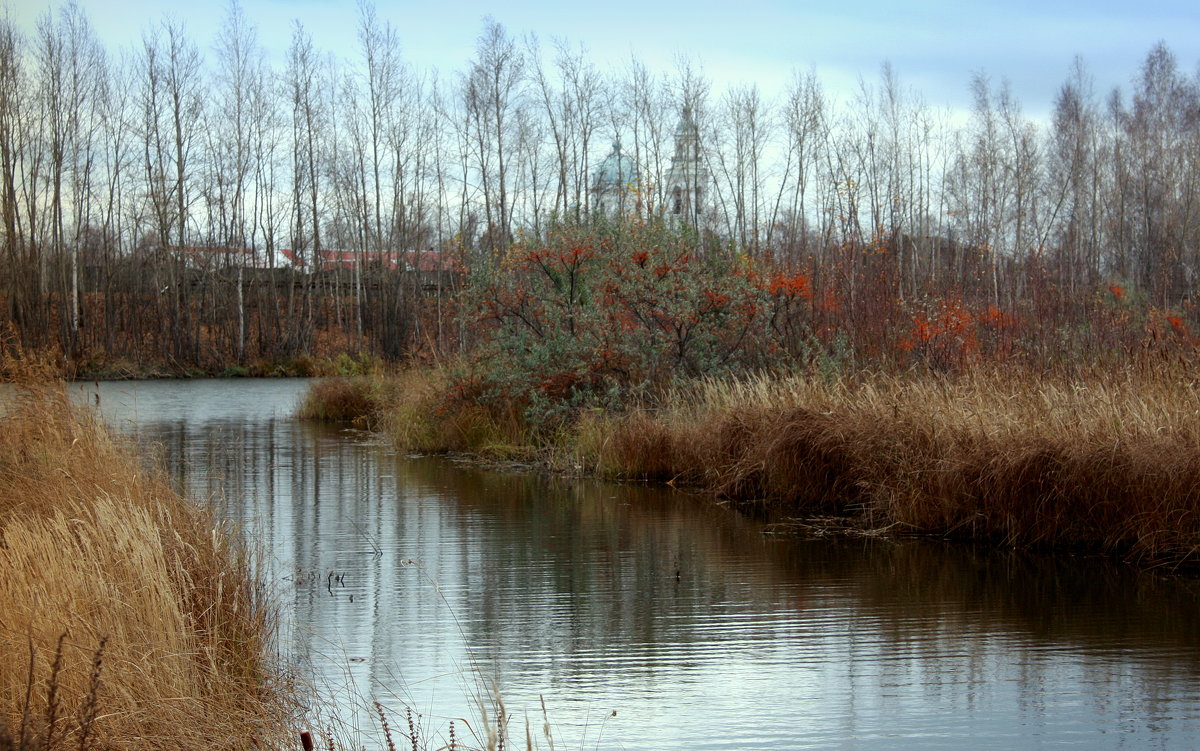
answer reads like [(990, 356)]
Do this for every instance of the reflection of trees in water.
[(617, 549), (617, 556), (1093, 603)]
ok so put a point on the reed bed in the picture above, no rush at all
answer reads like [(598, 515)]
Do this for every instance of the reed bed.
[(1103, 460), (131, 618), (420, 411), (340, 399), (1106, 462)]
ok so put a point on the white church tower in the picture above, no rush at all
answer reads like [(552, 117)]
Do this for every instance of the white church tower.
[(686, 184)]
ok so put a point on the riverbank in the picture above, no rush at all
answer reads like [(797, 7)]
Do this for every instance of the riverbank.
[(1107, 461), (102, 368), (132, 618)]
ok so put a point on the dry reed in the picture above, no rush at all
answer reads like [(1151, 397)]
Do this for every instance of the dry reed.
[(415, 412), (340, 400), (131, 618), (1103, 460), (1108, 461)]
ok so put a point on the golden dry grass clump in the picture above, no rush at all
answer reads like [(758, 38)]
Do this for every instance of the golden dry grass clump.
[(418, 409), (340, 399), (165, 636), (1107, 461)]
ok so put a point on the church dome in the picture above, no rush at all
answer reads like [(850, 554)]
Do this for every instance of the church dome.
[(616, 172)]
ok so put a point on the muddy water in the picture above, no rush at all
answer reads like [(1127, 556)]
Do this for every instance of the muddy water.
[(421, 584)]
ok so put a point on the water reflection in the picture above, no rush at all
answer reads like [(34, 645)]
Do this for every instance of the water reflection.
[(409, 578)]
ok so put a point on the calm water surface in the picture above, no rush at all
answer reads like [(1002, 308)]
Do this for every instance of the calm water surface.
[(418, 583)]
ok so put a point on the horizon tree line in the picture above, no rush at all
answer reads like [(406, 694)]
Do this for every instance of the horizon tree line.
[(111, 158)]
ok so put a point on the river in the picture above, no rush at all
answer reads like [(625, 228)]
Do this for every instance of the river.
[(646, 618)]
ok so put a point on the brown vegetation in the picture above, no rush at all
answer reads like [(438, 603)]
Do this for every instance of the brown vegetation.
[(131, 618), (1109, 462), (1104, 461), (340, 400)]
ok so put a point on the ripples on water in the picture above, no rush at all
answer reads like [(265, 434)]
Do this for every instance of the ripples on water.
[(411, 581)]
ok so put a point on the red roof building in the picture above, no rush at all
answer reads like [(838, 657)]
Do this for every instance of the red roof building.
[(409, 260)]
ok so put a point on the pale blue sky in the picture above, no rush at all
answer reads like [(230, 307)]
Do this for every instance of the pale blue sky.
[(934, 46)]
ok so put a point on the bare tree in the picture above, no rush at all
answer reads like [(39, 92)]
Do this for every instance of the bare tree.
[(1158, 129), (1073, 177), (170, 108), (572, 108), (25, 264), (647, 101), (491, 95), (72, 73), (805, 122), (239, 84), (745, 124), (304, 82)]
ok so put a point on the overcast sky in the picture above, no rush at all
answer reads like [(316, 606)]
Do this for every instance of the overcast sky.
[(934, 46)]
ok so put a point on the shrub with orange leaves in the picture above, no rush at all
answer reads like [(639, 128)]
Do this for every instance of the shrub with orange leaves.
[(944, 335), (1175, 321), (589, 313), (795, 285)]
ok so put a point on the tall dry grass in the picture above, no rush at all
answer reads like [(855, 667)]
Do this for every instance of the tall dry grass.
[(165, 634), (1106, 461), (416, 408), (340, 400), (1103, 460)]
